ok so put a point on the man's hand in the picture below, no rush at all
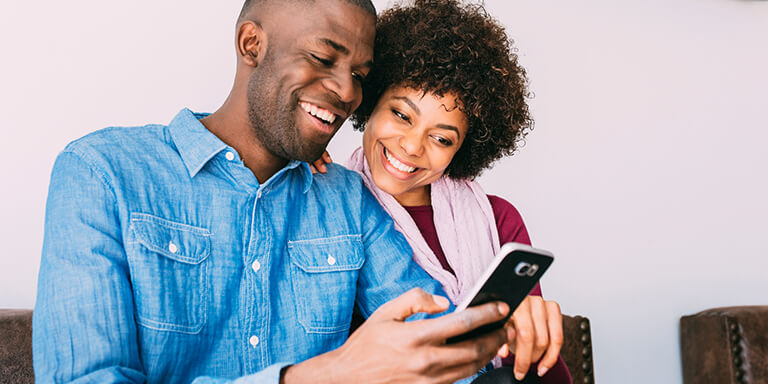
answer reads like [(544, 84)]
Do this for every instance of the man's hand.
[(386, 349), (535, 330)]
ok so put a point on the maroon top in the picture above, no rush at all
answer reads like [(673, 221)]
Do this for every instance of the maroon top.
[(511, 229)]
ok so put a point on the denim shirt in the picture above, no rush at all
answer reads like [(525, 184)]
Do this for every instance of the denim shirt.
[(165, 260)]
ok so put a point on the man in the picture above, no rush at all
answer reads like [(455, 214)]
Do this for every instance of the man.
[(206, 250)]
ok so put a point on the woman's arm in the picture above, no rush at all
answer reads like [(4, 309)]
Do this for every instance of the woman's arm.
[(538, 322)]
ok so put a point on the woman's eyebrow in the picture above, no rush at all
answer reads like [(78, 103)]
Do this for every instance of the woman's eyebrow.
[(450, 128), (409, 102)]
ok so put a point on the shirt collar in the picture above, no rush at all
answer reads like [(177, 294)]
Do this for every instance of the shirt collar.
[(197, 145), (305, 173)]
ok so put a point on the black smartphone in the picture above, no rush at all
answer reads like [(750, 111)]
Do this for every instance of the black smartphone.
[(510, 277)]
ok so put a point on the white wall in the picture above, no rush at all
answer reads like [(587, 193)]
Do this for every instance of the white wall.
[(646, 173)]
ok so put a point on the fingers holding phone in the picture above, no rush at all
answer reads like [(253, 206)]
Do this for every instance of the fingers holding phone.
[(538, 326), (386, 348)]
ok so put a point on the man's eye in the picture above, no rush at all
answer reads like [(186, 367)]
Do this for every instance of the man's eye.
[(360, 78), (325, 62)]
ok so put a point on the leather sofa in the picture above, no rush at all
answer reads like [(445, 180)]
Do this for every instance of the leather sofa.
[(16, 347), (726, 345)]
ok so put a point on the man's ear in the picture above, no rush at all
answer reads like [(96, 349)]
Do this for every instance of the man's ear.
[(251, 43)]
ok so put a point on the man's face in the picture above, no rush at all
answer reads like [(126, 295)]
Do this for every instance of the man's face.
[(309, 80)]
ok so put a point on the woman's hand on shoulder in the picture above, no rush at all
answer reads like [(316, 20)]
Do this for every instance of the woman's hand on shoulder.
[(319, 165), (538, 327)]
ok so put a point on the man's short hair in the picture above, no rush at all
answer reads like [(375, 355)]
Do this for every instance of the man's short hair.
[(366, 5)]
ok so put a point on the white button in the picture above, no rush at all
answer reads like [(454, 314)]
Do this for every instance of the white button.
[(230, 156), (254, 341), (331, 260), (172, 247), (258, 195), (256, 266)]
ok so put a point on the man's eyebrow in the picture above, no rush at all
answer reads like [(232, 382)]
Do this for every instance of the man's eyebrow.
[(409, 102), (342, 49), (336, 46)]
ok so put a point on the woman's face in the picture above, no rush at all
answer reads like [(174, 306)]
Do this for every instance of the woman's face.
[(409, 140)]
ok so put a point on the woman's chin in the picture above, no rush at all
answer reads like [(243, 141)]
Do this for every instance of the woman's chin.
[(388, 185)]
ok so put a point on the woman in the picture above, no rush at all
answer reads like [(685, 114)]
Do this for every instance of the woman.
[(445, 99)]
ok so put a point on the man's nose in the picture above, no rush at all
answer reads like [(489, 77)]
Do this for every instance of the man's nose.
[(344, 87)]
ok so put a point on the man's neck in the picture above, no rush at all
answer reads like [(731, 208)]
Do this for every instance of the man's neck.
[(235, 130)]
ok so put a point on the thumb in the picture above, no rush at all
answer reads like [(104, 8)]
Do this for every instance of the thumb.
[(412, 302)]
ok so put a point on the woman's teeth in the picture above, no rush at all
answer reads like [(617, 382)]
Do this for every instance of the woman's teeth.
[(325, 115), (397, 164)]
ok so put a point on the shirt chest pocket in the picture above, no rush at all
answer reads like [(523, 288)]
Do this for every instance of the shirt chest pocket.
[(169, 273), (324, 276)]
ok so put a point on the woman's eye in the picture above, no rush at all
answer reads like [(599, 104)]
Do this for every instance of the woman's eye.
[(443, 141), (400, 115)]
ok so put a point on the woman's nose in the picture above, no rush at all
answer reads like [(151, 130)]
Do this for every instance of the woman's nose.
[(412, 143)]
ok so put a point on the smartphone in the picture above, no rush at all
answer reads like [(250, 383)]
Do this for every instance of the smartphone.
[(510, 277)]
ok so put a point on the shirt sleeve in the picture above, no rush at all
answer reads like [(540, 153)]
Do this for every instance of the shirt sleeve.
[(389, 269), (510, 226), (83, 326), (83, 323)]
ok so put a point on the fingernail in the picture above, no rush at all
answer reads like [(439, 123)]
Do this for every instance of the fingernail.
[(503, 308), (503, 351), (542, 371), (440, 300), (519, 376)]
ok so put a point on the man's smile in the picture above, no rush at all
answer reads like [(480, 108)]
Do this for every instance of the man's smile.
[(320, 113)]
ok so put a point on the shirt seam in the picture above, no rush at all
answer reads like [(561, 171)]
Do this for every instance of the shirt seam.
[(80, 155)]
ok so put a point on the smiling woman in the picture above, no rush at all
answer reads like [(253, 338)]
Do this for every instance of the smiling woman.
[(446, 99)]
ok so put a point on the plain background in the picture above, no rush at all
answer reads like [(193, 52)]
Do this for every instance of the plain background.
[(646, 173)]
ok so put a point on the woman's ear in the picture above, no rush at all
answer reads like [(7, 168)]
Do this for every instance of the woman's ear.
[(251, 43)]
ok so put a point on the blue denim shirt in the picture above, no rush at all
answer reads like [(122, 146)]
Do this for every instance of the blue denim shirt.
[(165, 260)]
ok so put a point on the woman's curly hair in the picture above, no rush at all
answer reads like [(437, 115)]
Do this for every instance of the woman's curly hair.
[(440, 47)]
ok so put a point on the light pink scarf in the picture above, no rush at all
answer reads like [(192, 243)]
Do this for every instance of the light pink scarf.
[(465, 224)]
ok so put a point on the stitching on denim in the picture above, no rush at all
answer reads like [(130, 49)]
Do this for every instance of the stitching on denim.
[(80, 155), (143, 240), (325, 240)]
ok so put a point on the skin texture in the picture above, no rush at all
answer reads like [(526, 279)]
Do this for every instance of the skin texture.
[(277, 68)]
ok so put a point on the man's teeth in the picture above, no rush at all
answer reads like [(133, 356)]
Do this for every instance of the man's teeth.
[(323, 114), (397, 164)]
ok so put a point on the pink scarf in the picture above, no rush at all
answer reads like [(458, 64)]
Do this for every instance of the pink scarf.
[(465, 224)]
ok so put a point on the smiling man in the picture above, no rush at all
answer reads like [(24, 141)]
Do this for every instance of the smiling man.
[(206, 250)]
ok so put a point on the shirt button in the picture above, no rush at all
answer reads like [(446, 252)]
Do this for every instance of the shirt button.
[(172, 247), (258, 195), (256, 266), (230, 156), (254, 341), (331, 260)]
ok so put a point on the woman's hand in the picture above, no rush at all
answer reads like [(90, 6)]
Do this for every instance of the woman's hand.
[(319, 164), (538, 328)]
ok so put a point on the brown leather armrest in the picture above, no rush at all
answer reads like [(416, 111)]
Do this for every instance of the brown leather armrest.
[(577, 349), (16, 346), (726, 345)]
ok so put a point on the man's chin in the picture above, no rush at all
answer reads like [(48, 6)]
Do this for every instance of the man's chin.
[(310, 154)]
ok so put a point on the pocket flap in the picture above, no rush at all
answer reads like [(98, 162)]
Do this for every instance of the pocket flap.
[(339, 253), (180, 242)]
